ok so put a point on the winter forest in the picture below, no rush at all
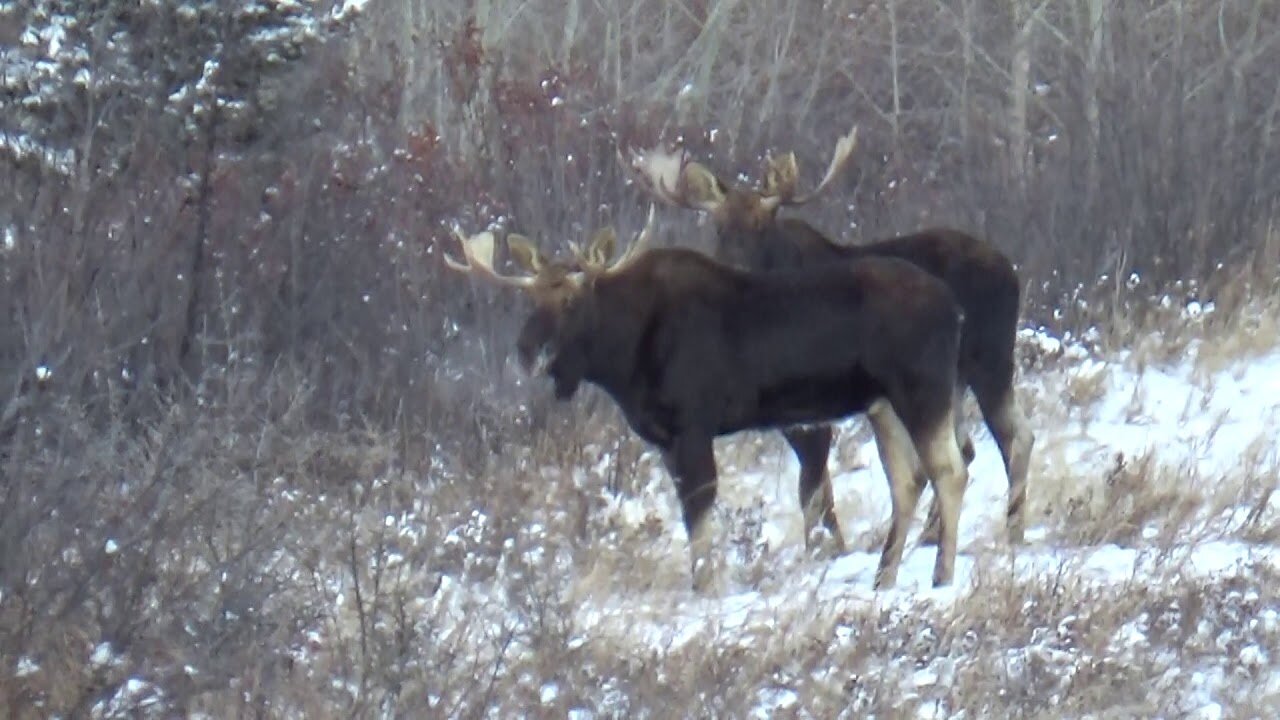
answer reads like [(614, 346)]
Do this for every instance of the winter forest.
[(264, 454)]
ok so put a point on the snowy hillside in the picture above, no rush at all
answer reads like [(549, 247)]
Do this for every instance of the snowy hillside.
[(1202, 443)]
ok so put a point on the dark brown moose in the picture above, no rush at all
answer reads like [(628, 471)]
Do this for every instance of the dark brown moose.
[(691, 349), (750, 235)]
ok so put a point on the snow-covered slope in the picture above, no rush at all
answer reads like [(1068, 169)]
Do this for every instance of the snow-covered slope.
[(1196, 434)]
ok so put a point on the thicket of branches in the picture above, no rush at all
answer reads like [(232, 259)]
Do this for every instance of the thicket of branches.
[(239, 208), (199, 200)]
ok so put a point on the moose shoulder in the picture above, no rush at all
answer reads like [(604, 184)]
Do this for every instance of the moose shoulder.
[(691, 349)]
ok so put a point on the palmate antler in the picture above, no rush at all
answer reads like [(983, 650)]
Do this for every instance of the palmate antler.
[(783, 172), (672, 177), (477, 252), (595, 259)]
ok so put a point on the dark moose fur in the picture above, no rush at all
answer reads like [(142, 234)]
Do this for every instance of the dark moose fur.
[(984, 281), (691, 349)]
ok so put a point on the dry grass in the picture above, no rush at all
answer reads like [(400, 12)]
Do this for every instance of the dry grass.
[(1149, 348), (1043, 647)]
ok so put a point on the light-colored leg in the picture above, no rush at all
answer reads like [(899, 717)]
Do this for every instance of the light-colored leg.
[(945, 466), (1013, 435), (704, 563), (906, 482), (929, 536)]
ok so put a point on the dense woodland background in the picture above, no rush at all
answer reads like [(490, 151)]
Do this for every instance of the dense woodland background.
[(229, 349)]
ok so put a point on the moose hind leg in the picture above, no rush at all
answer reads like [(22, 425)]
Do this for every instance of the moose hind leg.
[(1014, 437), (929, 536), (691, 460), (812, 445), (906, 482), (945, 465)]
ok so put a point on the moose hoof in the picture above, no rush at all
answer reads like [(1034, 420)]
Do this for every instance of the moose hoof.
[(822, 544), (1016, 534), (885, 580), (708, 579)]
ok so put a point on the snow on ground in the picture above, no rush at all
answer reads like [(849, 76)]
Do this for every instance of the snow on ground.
[(1211, 428), (1213, 424)]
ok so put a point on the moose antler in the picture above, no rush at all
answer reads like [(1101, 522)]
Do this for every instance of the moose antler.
[(477, 252), (595, 259), (782, 173), (525, 253), (598, 251), (658, 170), (637, 246), (674, 178)]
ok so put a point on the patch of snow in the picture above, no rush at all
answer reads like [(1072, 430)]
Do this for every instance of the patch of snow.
[(1254, 657), (26, 666), (348, 9), (773, 700), (549, 693), (102, 654), (134, 695)]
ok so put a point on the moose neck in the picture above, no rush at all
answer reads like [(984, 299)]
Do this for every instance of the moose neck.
[(615, 322), (783, 244)]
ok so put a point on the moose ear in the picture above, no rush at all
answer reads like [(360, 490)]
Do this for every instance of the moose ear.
[(701, 186), (602, 246), (524, 253)]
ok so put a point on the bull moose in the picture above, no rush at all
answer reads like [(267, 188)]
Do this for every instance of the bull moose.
[(691, 349), (750, 235)]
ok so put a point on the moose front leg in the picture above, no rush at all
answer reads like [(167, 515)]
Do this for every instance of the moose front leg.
[(692, 464), (812, 445)]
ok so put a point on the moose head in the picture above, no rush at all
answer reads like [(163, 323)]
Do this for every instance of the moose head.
[(555, 338), (738, 211)]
